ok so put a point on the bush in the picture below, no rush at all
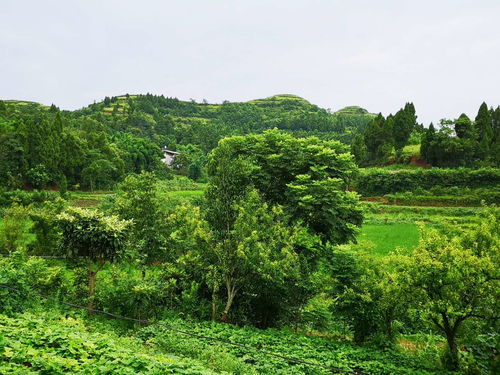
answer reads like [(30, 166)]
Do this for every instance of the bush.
[(25, 198), (377, 181)]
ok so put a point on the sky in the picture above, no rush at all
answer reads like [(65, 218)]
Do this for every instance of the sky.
[(442, 55)]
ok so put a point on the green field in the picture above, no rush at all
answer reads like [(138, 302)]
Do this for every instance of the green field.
[(387, 237)]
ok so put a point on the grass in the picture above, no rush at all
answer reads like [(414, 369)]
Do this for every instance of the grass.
[(88, 199), (387, 237)]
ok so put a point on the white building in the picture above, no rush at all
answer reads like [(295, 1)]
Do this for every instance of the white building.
[(168, 156)]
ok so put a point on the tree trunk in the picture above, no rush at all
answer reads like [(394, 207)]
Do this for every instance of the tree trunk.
[(214, 303), (450, 338), (92, 276), (231, 293), (450, 331)]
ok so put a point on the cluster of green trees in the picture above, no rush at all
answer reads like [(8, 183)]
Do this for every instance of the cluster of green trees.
[(383, 135), (450, 283), (457, 143), (274, 207), (464, 143), (43, 146)]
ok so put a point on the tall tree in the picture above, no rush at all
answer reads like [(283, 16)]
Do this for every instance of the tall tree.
[(358, 149), (463, 126), (404, 122), (427, 140), (378, 139), (483, 126), (273, 162), (137, 200)]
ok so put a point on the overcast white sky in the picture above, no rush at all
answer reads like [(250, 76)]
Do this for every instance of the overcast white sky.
[(444, 55)]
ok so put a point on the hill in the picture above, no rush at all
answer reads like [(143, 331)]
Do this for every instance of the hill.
[(144, 113)]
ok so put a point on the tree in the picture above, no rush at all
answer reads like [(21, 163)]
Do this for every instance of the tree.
[(378, 139), (194, 171), (99, 174), (306, 179), (427, 141), (96, 238), (404, 122), (463, 126), (137, 200), (495, 151), (455, 278), (325, 208), (38, 176), (277, 164), (484, 130), (259, 248), (370, 294), (358, 149)]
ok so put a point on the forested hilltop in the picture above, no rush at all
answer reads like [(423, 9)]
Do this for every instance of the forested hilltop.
[(97, 146)]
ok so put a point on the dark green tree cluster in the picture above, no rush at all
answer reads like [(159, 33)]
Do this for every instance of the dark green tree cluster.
[(41, 147), (382, 135), (464, 143)]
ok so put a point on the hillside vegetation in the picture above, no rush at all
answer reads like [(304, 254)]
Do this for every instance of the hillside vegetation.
[(97, 146), (264, 233)]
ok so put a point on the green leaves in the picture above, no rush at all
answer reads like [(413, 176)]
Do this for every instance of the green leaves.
[(90, 234), (278, 165), (45, 344)]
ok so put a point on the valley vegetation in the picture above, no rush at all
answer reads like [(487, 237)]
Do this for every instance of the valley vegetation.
[(264, 232)]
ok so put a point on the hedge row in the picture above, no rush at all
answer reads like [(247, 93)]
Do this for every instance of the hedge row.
[(377, 181)]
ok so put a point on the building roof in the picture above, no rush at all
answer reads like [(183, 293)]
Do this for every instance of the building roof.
[(167, 151)]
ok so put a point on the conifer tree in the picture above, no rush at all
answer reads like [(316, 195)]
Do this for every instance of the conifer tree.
[(425, 146), (358, 149), (463, 126), (484, 131), (378, 138), (404, 122)]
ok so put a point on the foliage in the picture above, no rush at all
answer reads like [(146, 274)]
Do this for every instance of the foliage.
[(137, 200), (299, 174), (378, 181), (45, 343), (97, 146), (403, 124), (319, 350), (378, 139), (25, 198), (467, 143), (94, 237), (16, 230), (454, 278)]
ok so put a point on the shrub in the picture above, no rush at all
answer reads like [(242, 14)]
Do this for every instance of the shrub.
[(377, 181)]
